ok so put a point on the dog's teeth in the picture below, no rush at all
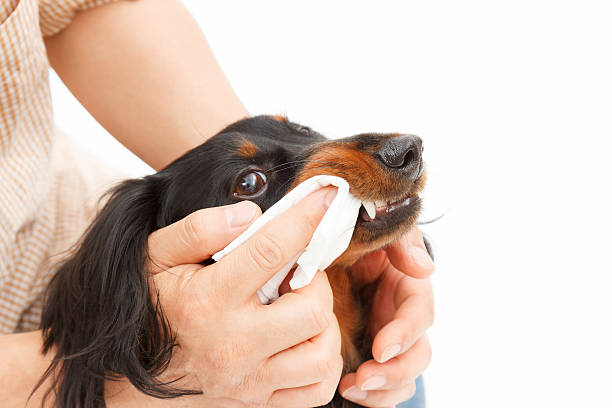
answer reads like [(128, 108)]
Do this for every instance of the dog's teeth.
[(370, 208), (380, 204)]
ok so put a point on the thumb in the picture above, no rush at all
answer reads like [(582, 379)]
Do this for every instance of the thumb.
[(409, 255), (199, 235)]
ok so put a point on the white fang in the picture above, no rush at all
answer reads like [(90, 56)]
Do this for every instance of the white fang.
[(370, 208)]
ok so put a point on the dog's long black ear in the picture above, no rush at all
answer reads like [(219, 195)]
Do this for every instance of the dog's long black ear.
[(99, 316)]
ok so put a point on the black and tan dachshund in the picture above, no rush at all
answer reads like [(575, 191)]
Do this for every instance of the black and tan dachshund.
[(99, 317)]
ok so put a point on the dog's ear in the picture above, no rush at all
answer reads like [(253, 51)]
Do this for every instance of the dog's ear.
[(99, 317)]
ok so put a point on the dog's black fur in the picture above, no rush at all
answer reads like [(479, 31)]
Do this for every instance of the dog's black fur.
[(99, 317)]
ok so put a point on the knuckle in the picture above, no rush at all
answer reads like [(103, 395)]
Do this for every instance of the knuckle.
[(410, 390), (191, 232), (326, 389), (337, 335), (407, 389), (266, 253), (325, 393), (319, 317), (327, 294), (325, 364)]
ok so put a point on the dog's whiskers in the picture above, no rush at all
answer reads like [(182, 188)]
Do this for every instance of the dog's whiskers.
[(294, 164), (332, 166)]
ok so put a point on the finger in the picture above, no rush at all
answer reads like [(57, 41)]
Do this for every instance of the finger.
[(199, 235), (307, 363), (395, 373), (414, 315), (375, 398), (296, 316), (313, 395), (410, 256), (253, 263), (369, 267)]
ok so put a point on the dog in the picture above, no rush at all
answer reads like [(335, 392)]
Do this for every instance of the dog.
[(98, 314)]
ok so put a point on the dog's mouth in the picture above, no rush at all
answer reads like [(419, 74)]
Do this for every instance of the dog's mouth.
[(380, 211), (382, 221), (381, 214)]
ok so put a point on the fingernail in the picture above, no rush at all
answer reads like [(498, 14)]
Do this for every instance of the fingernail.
[(329, 198), (390, 352), (374, 383), (240, 213), (421, 257), (355, 394)]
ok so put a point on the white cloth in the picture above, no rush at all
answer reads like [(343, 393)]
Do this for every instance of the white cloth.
[(329, 241)]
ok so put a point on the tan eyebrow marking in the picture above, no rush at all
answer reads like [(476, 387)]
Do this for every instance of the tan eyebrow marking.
[(280, 118), (246, 149)]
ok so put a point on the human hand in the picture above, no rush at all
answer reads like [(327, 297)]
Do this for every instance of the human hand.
[(402, 310), (236, 350)]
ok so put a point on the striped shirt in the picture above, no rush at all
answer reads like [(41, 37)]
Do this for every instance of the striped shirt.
[(47, 186)]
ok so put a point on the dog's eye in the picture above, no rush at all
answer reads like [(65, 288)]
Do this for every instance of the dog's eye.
[(250, 183)]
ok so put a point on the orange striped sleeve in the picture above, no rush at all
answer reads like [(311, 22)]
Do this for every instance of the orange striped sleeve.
[(55, 15)]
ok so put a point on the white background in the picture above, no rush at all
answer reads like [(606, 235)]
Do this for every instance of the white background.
[(514, 102)]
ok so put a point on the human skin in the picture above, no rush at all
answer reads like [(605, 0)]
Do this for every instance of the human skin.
[(403, 310), (144, 82), (239, 352), (181, 242), (145, 71)]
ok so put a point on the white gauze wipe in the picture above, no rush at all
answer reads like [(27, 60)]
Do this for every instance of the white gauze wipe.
[(329, 241)]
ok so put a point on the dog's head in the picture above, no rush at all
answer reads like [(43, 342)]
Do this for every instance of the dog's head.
[(262, 158), (98, 313)]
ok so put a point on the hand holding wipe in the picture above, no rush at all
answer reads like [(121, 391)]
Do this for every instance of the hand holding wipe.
[(329, 241)]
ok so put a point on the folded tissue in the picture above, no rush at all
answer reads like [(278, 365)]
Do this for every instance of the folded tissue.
[(329, 241)]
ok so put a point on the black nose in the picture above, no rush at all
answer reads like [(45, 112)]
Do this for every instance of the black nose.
[(403, 153)]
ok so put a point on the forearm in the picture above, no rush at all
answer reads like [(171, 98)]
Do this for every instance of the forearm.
[(145, 71), (23, 365)]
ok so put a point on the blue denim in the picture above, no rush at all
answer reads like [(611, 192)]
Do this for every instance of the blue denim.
[(418, 400)]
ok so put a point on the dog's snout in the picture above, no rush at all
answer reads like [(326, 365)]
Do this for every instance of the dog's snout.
[(403, 153)]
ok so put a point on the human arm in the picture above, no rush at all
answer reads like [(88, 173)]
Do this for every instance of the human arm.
[(145, 71), (237, 351), (22, 365), (257, 353), (403, 309)]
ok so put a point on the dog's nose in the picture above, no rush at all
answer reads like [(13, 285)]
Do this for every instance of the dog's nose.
[(403, 153)]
